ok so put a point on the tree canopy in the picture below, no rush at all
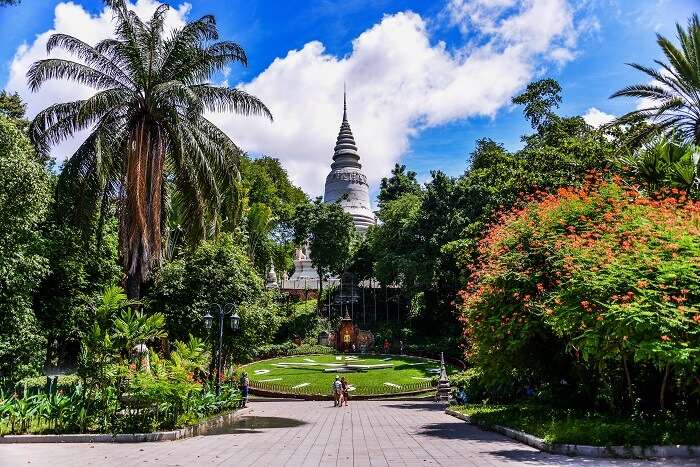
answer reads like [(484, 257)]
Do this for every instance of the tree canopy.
[(147, 124)]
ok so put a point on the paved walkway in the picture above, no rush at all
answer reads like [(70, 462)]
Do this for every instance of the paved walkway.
[(296, 433)]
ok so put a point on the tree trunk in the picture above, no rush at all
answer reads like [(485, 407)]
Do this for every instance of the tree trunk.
[(627, 377), (133, 287), (662, 394), (319, 299)]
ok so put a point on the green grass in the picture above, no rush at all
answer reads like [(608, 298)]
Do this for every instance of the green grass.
[(576, 426), (407, 373)]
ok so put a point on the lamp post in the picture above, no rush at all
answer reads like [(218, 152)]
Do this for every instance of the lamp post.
[(235, 320)]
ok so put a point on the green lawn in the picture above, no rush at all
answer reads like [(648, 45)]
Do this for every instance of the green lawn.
[(308, 375), (575, 426)]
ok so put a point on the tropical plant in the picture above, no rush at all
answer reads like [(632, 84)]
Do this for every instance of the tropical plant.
[(147, 124), (133, 327), (665, 162), (672, 99)]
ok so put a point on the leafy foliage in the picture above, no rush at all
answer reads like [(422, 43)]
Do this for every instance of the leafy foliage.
[(147, 126), (24, 199), (400, 183), (330, 232), (674, 94), (665, 162), (216, 272), (597, 285)]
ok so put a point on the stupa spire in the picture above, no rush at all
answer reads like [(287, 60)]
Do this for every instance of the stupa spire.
[(345, 152), (345, 104)]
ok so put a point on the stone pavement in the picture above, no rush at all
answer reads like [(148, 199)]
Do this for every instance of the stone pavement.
[(295, 433)]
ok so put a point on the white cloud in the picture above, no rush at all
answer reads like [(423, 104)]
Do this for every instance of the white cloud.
[(596, 118), (399, 83), (73, 19), (400, 80)]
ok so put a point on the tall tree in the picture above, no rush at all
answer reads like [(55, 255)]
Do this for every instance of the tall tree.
[(147, 125), (25, 193), (330, 232), (400, 183), (674, 95), (540, 98)]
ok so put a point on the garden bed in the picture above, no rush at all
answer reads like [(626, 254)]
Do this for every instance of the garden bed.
[(577, 432), (197, 429)]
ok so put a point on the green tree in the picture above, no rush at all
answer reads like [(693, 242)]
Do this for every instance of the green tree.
[(674, 94), (268, 205), (330, 233), (220, 272), (11, 106), (147, 124), (400, 183), (396, 245), (24, 200), (539, 99)]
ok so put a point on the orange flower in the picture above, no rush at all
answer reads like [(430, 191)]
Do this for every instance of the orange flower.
[(665, 338)]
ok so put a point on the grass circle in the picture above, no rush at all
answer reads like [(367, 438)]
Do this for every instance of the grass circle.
[(370, 375)]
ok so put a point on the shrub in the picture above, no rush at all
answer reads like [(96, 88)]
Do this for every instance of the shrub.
[(289, 348), (596, 288), (216, 272), (37, 384)]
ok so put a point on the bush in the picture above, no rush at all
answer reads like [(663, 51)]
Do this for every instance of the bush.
[(301, 320), (37, 384), (289, 348), (216, 272), (595, 290)]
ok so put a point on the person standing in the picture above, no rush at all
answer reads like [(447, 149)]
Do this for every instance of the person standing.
[(386, 345), (345, 391), (244, 385), (337, 391)]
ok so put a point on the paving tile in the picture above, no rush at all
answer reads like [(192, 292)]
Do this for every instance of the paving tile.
[(367, 433)]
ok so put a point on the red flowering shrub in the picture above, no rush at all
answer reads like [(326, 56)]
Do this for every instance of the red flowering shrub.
[(590, 284)]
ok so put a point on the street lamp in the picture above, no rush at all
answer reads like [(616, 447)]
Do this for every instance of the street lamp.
[(235, 320)]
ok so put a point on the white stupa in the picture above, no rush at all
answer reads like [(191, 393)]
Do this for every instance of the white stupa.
[(346, 183)]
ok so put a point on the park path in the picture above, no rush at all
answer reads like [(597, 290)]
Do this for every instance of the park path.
[(300, 433)]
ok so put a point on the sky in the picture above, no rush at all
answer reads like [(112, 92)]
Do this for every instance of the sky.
[(425, 79)]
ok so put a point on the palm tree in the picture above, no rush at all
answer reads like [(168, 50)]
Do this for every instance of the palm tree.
[(674, 94), (147, 127)]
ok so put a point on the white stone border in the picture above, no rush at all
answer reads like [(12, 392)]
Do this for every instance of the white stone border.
[(678, 450), (186, 432)]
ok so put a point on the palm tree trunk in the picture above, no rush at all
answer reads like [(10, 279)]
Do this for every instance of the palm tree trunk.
[(141, 221)]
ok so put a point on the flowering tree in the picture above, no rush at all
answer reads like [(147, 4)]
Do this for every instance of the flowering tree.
[(590, 281)]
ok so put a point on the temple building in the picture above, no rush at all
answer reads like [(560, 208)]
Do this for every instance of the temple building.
[(345, 184)]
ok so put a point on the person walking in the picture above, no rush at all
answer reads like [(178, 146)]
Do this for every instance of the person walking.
[(337, 392), (244, 386)]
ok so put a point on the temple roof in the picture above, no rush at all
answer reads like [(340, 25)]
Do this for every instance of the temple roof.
[(345, 151)]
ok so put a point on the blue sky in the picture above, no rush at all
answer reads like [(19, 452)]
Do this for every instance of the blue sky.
[(601, 36)]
